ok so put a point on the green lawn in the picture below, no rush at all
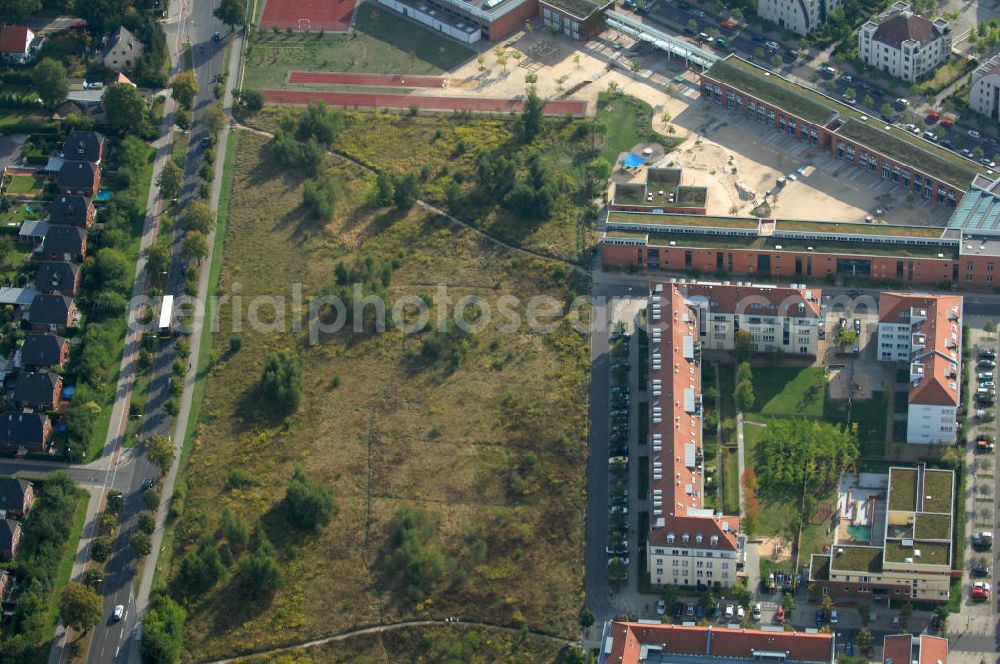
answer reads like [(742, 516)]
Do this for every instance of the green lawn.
[(789, 391), (382, 43), (730, 481), (627, 121), (26, 184), (727, 406), (870, 416)]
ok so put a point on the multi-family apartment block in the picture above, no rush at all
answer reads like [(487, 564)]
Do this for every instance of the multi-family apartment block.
[(984, 93), (904, 44), (799, 16), (925, 333)]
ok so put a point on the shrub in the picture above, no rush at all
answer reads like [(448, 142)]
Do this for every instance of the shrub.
[(282, 379), (309, 505)]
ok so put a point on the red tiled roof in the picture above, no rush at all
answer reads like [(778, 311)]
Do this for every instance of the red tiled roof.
[(681, 487), (779, 300), (933, 650), (14, 39), (897, 649), (941, 350), (627, 639)]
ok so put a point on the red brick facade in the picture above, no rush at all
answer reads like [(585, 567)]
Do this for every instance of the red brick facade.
[(618, 207), (966, 270)]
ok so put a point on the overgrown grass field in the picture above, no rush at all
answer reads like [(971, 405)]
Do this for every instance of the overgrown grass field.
[(486, 437)]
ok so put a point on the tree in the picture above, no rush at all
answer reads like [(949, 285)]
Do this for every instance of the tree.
[(743, 345), (214, 118), (886, 109), (261, 573), (745, 397), (146, 523), (977, 152), (407, 191), (758, 53), (231, 13), (385, 190), (124, 107), (990, 327), (868, 101), (635, 66), (198, 216), (19, 9), (171, 180), (309, 505), (865, 637), (194, 246), (777, 61), (693, 26), (617, 571), (251, 100), (80, 607), (151, 498), (162, 630), (319, 196), (847, 336), (531, 115), (737, 14), (743, 373), (51, 82), (140, 543), (161, 451), (282, 379), (185, 88)]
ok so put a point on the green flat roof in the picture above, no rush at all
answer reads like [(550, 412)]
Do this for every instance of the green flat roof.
[(626, 235), (578, 8), (664, 177), (792, 97), (858, 228), (937, 491), (630, 194), (858, 558), (903, 489), (846, 247), (931, 553), (906, 148), (742, 223), (691, 197), (819, 567), (933, 526)]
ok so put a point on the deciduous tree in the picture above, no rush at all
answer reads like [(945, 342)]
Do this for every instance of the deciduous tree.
[(185, 88), (80, 607), (51, 82)]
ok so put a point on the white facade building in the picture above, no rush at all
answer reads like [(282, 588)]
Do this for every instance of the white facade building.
[(984, 94), (925, 331), (904, 44), (799, 16)]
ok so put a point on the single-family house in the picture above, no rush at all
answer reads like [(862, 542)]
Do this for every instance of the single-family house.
[(15, 43), (10, 539), (79, 177), (51, 313), (42, 351), (65, 243), (16, 497), (38, 391), (85, 145), (71, 210), (123, 51), (58, 277), (30, 431)]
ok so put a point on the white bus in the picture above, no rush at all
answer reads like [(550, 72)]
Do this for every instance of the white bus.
[(166, 325)]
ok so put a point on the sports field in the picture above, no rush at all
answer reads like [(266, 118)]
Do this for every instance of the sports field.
[(308, 15), (383, 80)]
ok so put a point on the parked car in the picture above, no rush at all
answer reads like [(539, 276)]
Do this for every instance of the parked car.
[(895, 621), (847, 78), (973, 133), (987, 364), (661, 607), (827, 72), (678, 610), (987, 355), (699, 13), (984, 376), (984, 444), (901, 103), (756, 611), (982, 541), (981, 591), (932, 118), (947, 122), (848, 99), (773, 45), (834, 617), (779, 616), (740, 612), (855, 292), (981, 569), (699, 612), (820, 617), (730, 611)]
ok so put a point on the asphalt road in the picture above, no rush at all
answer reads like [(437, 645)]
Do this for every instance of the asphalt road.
[(114, 641)]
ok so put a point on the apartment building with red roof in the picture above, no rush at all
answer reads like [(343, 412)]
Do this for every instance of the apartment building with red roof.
[(688, 544), (640, 642), (925, 331)]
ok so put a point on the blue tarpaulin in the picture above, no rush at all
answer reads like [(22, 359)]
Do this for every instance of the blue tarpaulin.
[(631, 160)]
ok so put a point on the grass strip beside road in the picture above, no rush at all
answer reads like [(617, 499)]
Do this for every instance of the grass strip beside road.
[(69, 555)]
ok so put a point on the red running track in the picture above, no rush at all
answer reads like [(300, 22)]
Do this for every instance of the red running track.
[(311, 15), (388, 100), (383, 80)]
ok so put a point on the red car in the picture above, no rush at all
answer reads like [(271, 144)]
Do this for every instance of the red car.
[(981, 591), (932, 117), (945, 122)]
